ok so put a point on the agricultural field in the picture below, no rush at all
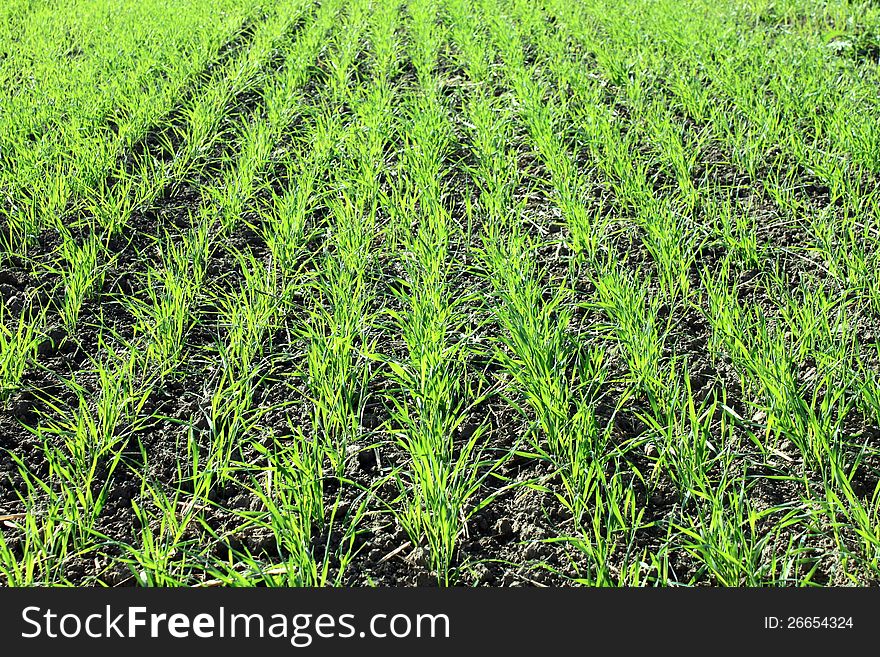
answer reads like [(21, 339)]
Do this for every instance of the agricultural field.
[(440, 292)]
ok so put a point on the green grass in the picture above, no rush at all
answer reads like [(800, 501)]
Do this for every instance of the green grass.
[(440, 292)]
